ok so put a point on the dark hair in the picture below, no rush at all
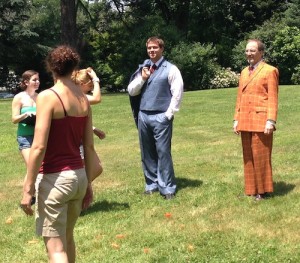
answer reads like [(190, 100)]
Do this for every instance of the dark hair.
[(156, 39), (260, 44), (62, 60), (26, 77)]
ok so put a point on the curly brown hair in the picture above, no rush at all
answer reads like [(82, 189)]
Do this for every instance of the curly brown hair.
[(62, 60), (26, 77)]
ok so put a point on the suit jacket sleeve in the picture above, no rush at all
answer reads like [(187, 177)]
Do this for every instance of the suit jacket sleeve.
[(273, 80)]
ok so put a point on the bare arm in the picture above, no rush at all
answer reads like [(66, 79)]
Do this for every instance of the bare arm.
[(96, 97), (16, 107), (93, 166), (38, 148), (89, 150)]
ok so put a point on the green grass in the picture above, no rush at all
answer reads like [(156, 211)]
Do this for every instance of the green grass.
[(208, 223)]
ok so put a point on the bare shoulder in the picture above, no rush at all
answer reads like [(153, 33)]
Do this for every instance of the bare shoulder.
[(18, 98), (46, 96), (45, 93), (19, 95)]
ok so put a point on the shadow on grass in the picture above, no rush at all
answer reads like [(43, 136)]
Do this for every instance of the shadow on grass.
[(185, 183), (282, 188), (105, 206)]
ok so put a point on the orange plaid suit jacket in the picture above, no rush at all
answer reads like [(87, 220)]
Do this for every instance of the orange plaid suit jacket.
[(257, 99)]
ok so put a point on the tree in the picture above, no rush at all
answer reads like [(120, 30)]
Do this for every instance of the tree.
[(68, 22), (286, 52), (13, 35)]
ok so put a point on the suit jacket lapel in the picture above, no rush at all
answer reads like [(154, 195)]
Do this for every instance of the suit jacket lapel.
[(248, 78)]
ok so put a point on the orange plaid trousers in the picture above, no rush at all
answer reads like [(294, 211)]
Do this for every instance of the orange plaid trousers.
[(257, 150)]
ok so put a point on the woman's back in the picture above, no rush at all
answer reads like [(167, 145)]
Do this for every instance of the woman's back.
[(70, 113)]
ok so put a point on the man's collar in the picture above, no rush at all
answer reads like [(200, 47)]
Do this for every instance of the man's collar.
[(256, 65), (157, 62)]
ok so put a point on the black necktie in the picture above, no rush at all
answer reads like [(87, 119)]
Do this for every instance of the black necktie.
[(153, 68)]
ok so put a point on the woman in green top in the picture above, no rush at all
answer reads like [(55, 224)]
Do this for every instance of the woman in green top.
[(24, 110)]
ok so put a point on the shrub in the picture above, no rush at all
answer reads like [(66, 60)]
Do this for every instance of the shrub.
[(197, 63), (296, 76), (225, 78)]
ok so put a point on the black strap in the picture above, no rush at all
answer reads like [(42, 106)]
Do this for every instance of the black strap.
[(60, 102)]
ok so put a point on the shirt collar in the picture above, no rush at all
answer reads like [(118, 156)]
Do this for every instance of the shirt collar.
[(157, 62), (256, 65)]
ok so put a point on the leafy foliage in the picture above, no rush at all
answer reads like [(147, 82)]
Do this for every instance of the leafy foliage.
[(197, 63), (111, 35), (286, 52), (13, 13)]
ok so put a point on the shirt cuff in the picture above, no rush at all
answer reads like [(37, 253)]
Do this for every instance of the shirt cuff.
[(271, 122), (169, 115)]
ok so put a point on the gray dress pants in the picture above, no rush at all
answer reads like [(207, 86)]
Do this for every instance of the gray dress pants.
[(155, 135)]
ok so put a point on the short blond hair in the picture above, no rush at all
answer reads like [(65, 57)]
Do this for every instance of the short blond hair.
[(81, 76)]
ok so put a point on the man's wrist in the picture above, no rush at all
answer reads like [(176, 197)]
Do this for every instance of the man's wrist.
[(271, 122), (235, 123)]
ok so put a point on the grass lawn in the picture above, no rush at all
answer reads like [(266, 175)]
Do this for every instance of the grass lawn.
[(206, 222)]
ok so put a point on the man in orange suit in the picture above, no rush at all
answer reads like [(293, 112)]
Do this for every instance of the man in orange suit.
[(255, 119)]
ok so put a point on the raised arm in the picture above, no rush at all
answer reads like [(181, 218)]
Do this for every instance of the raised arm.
[(96, 97)]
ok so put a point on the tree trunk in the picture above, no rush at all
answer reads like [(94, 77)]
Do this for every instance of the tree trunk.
[(68, 23)]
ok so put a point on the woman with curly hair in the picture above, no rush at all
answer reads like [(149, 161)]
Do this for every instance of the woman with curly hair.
[(55, 170)]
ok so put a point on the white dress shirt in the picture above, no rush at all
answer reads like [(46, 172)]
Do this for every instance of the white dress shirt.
[(176, 87)]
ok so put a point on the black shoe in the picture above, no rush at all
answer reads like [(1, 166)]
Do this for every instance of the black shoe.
[(150, 192), (169, 196)]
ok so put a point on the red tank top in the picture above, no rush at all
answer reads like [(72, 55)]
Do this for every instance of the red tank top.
[(65, 137)]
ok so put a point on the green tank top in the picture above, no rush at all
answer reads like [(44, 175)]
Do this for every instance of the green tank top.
[(23, 128)]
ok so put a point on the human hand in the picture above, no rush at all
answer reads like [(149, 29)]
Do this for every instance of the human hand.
[(30, 114), (269, 128), (88, 198), (91, 73), (235, 130), (101, 134), (146, 73), (26, 203)]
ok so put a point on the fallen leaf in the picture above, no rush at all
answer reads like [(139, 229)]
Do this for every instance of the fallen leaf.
[(190, 248), (146, 250), (115, 246), (99, 236), (9, 221), (168, 215), (33, 241), (120, 236), (181, 227)]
